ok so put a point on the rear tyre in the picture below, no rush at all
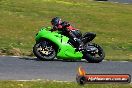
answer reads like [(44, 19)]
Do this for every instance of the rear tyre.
[(44, 50), (94, 56)]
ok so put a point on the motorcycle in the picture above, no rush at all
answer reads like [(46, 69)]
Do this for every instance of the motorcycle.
[(54, 44)]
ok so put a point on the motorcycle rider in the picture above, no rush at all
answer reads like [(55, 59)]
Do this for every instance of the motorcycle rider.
[(67, 30)]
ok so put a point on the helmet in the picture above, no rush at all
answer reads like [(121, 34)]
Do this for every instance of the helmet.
[(56, 21)]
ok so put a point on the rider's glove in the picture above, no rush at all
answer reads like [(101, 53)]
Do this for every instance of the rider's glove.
[(54, 29)]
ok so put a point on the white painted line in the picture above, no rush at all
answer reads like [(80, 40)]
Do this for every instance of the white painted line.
[(124, 61), (115, 2), (9, 56), (58, 59), (125, 3), (47, 81), (14, 56), (41, 80)]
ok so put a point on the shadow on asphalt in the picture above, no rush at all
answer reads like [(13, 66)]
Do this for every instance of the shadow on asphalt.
[(37, 59)]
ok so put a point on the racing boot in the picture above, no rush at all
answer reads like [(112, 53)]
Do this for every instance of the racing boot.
[(80, 44), (80, 48)]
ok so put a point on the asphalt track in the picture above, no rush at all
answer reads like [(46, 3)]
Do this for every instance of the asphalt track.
[(27, 68)]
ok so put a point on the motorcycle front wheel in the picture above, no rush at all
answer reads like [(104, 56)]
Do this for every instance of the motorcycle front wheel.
[(44, 50)]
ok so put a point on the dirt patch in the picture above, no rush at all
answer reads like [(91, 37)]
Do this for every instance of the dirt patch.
[(12, 51)]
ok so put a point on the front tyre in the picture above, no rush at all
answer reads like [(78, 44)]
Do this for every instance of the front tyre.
[(44, 50), (94, 53)]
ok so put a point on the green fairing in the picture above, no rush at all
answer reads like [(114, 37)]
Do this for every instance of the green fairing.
[(65, 51)]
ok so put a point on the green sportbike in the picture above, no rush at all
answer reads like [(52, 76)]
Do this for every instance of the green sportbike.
[(50, 45)]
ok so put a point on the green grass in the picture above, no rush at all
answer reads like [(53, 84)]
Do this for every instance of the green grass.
[(21, 19), (50, 84)]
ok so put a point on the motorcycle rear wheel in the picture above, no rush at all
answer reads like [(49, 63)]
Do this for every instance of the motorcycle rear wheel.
[(95, 58)]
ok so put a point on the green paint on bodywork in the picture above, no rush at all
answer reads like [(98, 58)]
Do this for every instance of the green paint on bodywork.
[(65, 51)]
